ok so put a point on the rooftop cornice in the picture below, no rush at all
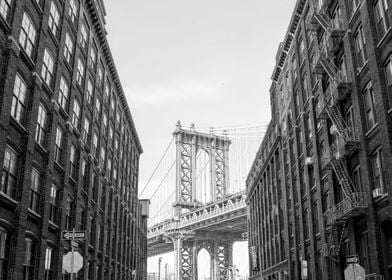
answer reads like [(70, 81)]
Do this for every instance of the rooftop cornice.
[(286, 44), (100, 30)]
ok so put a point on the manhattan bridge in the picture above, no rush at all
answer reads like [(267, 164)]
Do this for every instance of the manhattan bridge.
[(198, 196)]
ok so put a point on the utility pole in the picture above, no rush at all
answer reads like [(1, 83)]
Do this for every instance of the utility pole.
[(159, 268), (165, 271)]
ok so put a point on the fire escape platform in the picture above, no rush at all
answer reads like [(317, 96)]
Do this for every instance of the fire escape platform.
[(354, 205)]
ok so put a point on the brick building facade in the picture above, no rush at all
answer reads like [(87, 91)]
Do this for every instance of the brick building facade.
[(320, 187), (68, 146)]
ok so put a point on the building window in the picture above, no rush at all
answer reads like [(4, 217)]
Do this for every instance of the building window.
[(58, 145), (89, 91), (53, 204), (368, 98), (97, 111), (4, 253), (27, 35), (102, 156), (68, 48), (106, 92), (377, 170), (381, 16), (93, 57), (85, 170), (113, 102), (354, 4), (80, 72), (72, 10), (104, 122), (28, 264), (360, 45), (18, 107), (83, 37), (357, 178), (47, 67), (5, 6), (54, 17), (63, 94), (388, 78), (110, 134), (40, 130), (72, 160), (48, 264), (100, 77), (95, 144), (68, 209), (86, 130), (9, 176), (34, 191), (76, 114)]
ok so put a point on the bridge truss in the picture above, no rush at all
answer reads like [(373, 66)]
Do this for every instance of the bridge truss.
[(197, 194)]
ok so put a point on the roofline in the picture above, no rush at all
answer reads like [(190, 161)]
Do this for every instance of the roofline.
[(107, 54), (285, 46)]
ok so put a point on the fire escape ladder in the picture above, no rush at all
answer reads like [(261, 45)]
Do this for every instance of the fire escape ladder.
[(337, 119), (343, 177), (323, 20), (328, 65)]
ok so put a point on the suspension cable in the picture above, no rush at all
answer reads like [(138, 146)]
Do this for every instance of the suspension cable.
[(156, 167)]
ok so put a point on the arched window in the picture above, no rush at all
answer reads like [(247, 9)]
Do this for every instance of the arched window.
[(28, 263), (4, 253)]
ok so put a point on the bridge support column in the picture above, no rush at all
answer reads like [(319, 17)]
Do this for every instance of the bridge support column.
[(221, 260)]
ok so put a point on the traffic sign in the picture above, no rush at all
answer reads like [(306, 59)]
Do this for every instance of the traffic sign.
[(72, 259), (352, 259), (73, 235), (354, 272)]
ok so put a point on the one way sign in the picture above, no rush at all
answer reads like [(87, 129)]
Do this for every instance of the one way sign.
[(73, 235)]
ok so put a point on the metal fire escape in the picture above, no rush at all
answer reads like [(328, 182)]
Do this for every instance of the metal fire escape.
[(354, 203)]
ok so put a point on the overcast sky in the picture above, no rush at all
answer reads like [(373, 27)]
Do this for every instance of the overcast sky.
[(202, 61)]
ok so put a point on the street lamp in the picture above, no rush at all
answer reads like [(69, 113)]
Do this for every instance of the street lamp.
[(159, 268)]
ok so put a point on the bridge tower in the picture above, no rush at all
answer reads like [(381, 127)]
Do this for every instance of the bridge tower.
[(188, 144)]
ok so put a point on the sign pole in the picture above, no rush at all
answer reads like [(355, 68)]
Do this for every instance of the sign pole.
[(73, 251)]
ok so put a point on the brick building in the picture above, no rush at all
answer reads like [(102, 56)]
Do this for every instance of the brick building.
[(320, 187), (68, 146)]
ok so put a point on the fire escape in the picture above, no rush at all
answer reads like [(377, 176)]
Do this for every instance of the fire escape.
[(353, 203)]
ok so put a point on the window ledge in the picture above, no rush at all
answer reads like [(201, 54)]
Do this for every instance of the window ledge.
[(362, 68), (385, 37), (53, 225), (27, 58), (41, 148), (18, 125), (8, 198), (370, 131), (34, 214)]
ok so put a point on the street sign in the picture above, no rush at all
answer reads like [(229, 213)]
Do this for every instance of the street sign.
[(74, 259), (73, 235), (352, 259), (354, 272), (304, 269)]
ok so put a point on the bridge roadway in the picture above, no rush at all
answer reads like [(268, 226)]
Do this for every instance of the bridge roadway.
[(223, 220)]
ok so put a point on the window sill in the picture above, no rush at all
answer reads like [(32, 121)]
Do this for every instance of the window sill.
[(18, 126), (47, 88), (58, 166), (371, 131), (385, 38), (53, 226), (34, 214), (54, 38), (355, 12), (362, 68), (26, 58), (41, 148), (8, 199)]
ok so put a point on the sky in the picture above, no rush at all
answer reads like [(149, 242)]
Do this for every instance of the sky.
[(207, 62)]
